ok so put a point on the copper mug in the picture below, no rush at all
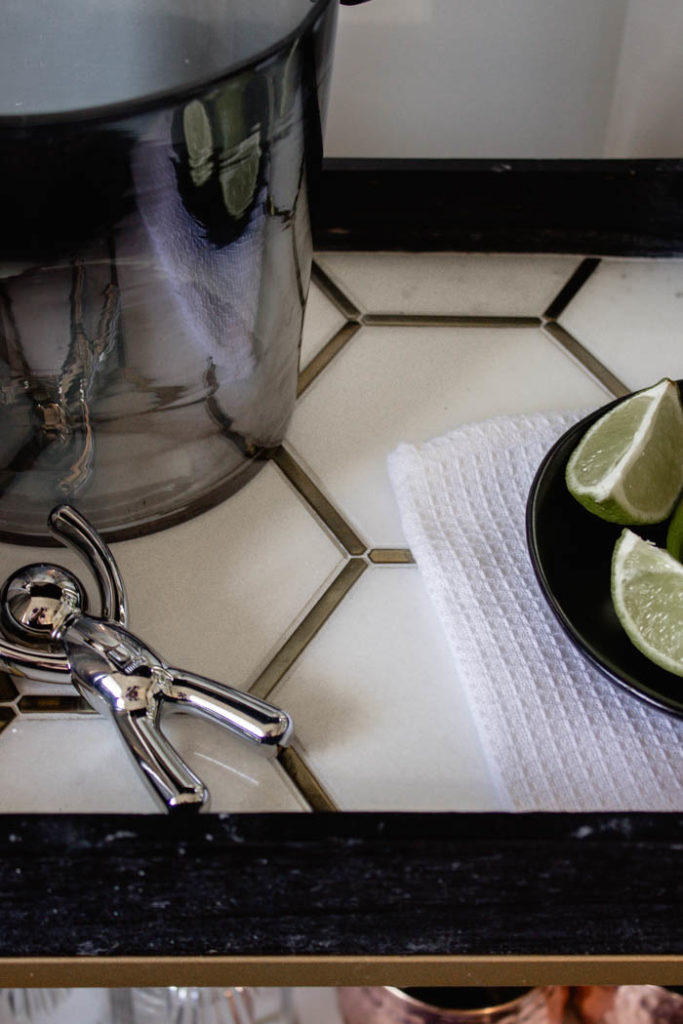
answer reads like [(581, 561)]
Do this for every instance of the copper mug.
[(453, 1005), (629, 1004)]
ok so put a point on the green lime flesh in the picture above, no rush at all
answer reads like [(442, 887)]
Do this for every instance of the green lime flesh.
[(647, 590), (628, 467)]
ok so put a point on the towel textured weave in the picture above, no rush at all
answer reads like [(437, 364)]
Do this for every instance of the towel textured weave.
[(557, 735)]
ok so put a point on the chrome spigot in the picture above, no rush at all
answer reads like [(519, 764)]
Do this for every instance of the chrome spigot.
[(48, 635)]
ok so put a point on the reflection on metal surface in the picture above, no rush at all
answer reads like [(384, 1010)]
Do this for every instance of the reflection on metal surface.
[(68, 525), (118, 675), (143, 248), (305, 781), (35, 600), (330, 516), (307, 629)]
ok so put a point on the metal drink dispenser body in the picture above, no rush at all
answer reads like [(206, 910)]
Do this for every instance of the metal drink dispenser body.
[(155, 254)]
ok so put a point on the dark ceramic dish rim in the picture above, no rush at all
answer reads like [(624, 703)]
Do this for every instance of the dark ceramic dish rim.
[(551, 466)]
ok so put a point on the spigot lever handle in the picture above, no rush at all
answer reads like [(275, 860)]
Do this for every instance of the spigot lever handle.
[(116, 672)]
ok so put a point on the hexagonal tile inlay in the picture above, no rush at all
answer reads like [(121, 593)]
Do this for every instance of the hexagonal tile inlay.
[(630, 315), (383, 721), (410, 384)]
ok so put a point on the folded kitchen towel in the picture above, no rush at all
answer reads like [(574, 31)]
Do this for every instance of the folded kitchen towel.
[(557, 735)]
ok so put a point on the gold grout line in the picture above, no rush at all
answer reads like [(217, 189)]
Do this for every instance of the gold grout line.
[(323, 508), (307, 628), (586, 359), (391, 556), (334, 293), (572, 287), (32, 704), (445, 320), (305, 781), (8, 691), (326, 355)]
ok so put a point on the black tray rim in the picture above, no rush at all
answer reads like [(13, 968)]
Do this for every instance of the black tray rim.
[(544, 898)]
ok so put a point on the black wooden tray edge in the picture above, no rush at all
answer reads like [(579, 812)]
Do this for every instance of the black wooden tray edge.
[(593, 207), (342, 885), (593, 898)]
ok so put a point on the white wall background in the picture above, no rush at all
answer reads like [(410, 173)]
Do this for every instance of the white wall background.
[(508, 79)]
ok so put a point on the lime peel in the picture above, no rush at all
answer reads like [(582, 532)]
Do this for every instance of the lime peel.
[(647, 591), (674, 536), (628, 466)]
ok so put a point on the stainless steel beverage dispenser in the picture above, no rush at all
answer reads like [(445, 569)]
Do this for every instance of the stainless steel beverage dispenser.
[(155, 180)]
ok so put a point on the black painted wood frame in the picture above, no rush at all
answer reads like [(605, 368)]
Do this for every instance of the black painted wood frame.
[(595, 207), (385, 898)]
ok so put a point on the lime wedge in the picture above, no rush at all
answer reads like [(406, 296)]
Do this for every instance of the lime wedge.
[(628, 467), (647, 590), (674, 535)]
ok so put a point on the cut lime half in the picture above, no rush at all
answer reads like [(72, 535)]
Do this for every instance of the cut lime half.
[(647, 590), (628, 467)]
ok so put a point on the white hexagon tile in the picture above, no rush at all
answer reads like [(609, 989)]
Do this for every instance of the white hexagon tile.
[(630, 315), (411, 383), (300, 587), (455, 284)]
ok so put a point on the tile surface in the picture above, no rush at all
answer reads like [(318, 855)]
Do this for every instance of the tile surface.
[(41, 775), (463, 284), (630, 315), (378, 705), (216, 596), (410, 384), (321, 322), (229, 585)]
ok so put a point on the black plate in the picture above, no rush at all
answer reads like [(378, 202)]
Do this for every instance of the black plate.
[(571, 552)]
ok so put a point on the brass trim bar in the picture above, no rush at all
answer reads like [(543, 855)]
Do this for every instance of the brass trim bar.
[(302, 971)]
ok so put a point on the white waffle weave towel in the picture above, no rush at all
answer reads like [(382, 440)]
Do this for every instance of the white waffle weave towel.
[(557, 735)]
